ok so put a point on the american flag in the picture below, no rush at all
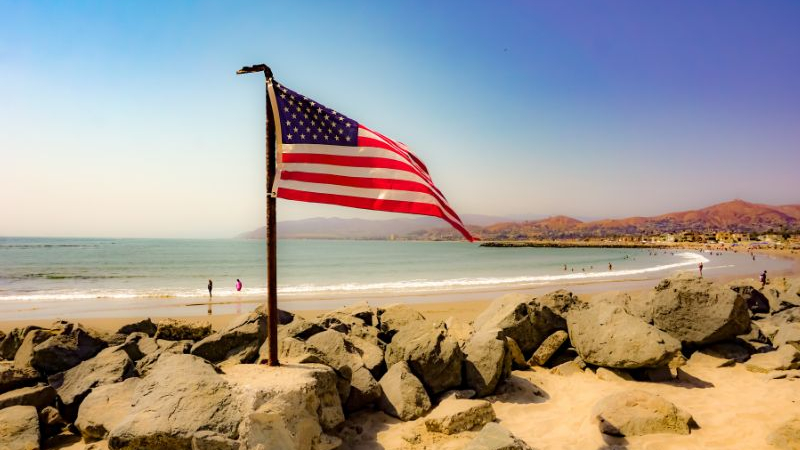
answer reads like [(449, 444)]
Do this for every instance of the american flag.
[(326, 157)]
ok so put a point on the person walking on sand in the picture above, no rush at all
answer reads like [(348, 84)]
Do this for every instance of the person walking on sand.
[(238, 285), (210, 287), (700, 266), (763, 279), (610, 266)]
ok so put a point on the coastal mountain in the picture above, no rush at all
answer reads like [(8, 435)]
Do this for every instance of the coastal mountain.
[(337, 228), (734, 216)]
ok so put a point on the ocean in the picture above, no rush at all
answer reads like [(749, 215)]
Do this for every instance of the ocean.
[(46, 271)]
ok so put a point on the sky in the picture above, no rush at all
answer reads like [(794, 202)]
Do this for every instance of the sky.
[(126, 119)]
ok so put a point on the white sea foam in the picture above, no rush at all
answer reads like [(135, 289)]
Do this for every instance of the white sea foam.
[(405, 286)]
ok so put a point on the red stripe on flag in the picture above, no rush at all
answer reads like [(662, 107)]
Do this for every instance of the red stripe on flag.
[(368, 183), (426, 209)]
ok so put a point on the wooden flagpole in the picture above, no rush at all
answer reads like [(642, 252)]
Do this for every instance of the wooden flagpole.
[(271, 236)]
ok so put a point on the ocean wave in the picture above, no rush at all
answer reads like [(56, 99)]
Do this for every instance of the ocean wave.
[(404, 286)]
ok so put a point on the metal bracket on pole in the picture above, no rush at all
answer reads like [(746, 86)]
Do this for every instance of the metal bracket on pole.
[(271, 235)]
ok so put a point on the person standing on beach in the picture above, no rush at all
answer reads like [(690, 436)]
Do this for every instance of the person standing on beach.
[(763, 279), (610, 266), (238, 285), (210, 286), (700, 266)]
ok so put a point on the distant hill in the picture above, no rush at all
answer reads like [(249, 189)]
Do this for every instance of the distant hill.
[(336, 228), (734, 216)]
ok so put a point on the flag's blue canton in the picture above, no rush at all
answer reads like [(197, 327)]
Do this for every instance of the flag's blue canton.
[(304, 121)]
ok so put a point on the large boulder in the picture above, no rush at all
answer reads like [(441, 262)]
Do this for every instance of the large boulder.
[(38, 396), (755, 300), (12, 377), (105, 407), (145, 326), (11, 342), (69, 347), (434, 357), (337, 351), (19, 428), (403, 395), (182, 394), (635, 413), (153, 349), (299, 328), (696, 311), (522, 318), (111, 365), (23, 358), (560, 302), (287, 407), (782, 328), (494, 437), (238, 342), (486, 361), (454, 415), (348, 324), (361, 310), (784, 358), (393, 318), (605, 335), (182, 330)]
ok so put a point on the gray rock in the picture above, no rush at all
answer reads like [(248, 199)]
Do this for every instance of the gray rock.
[(72, 345), (11, 342), (486, 361), (38, 396), (12, 377), (182, 394), (457, 415), (19, 428), (23, 359), (350, 325), (636, 413), (336, 351), (513, 315), (153, 349), (605, 335), (145, 326), (371, 356), (517, 358), (284, 317), (403, 395), (560, 302), (548, 348), (782, 328), (755, 300), (299, 328), (784, 358), (181, 330), (238, 342), (696, 311), (434, 357), (362, 311), (112, 365), (494, 437), (105, 407), (50, 421), (393, 318), (786, 436), (286, 407)]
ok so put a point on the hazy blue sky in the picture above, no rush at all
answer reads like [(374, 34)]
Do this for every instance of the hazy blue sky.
[(126, 118)]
